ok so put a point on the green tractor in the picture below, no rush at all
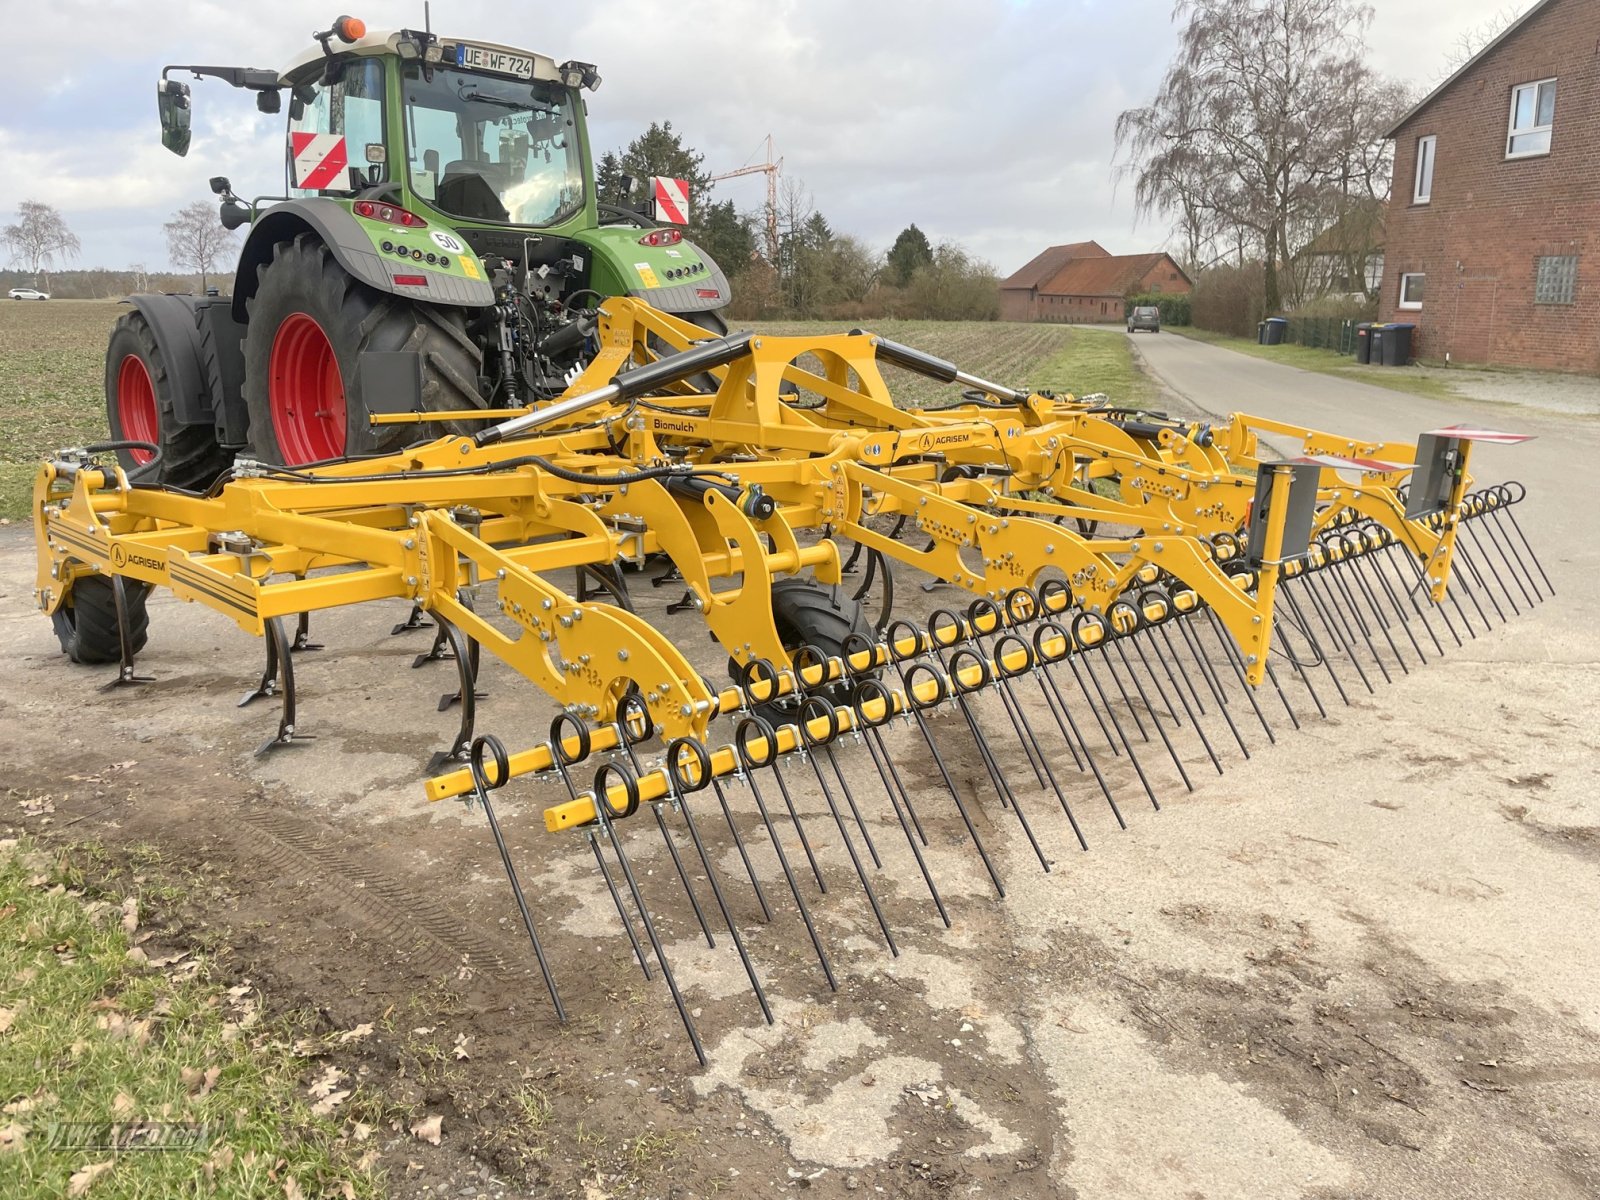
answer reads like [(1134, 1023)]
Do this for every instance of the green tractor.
[(440, 246)]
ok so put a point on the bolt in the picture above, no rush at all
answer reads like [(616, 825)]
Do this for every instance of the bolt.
[(622, 656), (412, 520), (1159, 547), (500, 574), (548, 605), (1049, 549), (685, 710), (410, 543), (566, 622), (1250, 658), (411, 581)]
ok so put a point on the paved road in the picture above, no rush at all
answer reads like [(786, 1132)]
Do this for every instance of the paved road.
[(1559, 466)]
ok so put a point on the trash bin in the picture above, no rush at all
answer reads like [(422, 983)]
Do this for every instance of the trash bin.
[(1397, 343), (1261, 333), (1375, 340), (1273, 330), (1364, 342)]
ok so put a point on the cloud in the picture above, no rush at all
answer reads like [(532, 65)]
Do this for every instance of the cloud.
[(986, 122)]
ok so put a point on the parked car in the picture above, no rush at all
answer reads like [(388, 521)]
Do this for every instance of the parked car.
[(1145, 317), (28, 294)]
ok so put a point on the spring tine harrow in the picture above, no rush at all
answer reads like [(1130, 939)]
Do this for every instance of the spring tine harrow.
[(1143, 572)]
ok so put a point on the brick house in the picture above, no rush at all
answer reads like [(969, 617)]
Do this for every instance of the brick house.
[(1493, 232), (1082, 283)]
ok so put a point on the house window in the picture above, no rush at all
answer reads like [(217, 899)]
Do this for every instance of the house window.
[(1555, 279), (1411, 290), (1422, 191), (1533, 113)]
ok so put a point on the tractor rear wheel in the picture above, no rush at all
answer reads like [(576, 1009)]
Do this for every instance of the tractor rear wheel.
[(309, 324), (140, 407), (86, 624)]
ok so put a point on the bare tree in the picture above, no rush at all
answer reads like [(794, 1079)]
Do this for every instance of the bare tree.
[(39, 238), (1473, 40), (1250, 129), (196, 240)]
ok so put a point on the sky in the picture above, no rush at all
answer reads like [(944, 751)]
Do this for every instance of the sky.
[(985, 122)]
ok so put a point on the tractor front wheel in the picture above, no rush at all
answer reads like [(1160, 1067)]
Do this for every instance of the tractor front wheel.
[(309, 324), (140, 408)]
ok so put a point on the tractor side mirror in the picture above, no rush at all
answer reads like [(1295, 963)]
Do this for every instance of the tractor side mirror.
[(172, 102)]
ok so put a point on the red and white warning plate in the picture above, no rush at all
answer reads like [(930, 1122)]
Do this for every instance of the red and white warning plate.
[(319, 159), (672, 199), (1375, 466), (1467, 433)]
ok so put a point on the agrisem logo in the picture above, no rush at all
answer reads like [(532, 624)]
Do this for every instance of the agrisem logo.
[(120, 557)]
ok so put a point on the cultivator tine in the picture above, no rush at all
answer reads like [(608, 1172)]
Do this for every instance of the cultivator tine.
[(277, 679), (482, 785), (302, 643), (463, 650), (127, 676), (415, 619)]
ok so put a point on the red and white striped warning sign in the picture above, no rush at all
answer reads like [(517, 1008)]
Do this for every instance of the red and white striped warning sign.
[(672, 199), (319, 159)]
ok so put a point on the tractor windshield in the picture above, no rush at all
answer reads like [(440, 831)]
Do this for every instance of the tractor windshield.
[(485, 148)]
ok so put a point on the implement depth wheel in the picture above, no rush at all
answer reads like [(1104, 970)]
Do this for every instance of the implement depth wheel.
[(808, 613), (140, 408), (86, 624), (309, 324)]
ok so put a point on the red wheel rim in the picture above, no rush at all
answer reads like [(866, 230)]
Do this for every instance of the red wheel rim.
[(136, 405), (305, 393)]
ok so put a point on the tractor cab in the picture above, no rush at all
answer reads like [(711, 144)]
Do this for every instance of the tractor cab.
[(436, 250)]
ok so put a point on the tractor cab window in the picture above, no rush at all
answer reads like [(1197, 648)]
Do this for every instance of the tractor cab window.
[(335, 128), (485, 148)]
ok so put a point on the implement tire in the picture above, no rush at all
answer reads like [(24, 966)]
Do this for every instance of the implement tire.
[(309, 324), (808, 613), (140, 406), (86, 624)]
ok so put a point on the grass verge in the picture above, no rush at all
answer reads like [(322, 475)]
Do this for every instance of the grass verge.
[(1329, 362), (127, 1072)]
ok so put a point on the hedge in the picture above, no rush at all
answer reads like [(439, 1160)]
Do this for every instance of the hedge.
[(1174, 309)]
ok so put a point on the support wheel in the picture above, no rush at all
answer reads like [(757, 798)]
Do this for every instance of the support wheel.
[(309, 324), (808, 613), (87, 623), (140, 407)]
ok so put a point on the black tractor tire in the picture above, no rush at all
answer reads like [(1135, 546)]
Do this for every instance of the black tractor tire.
[(86, 624), (190, 456), (305, 280)]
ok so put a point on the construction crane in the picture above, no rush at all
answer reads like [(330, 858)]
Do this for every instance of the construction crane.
[(771, 169)]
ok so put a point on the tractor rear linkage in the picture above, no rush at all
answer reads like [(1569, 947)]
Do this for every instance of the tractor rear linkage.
[(1133, 578)]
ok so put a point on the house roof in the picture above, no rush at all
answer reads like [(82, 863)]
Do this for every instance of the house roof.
[(1112, 275), (1467, 66), (1045, 264), (1360, 228)]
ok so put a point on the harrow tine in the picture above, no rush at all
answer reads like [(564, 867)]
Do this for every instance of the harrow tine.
[(1166, 661), (1076, 653), (868, 688), (481, 787), (1480, 558), (1043, 632), (1396, 588), (560, 760), (1506, 514), (682, 782), (1231, 652), (1350, 616), (1472, 583), (744, 855), (811, 747), (1491, 535), (1339, 632), (914, 707), (602, 810), (1373, 568), (1304, 628), (958, 691), (1379, 617), (761, 728), (1214, 683), (1155, 718)]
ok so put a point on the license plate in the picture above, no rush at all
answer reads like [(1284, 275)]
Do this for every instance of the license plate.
[(481, 58)]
